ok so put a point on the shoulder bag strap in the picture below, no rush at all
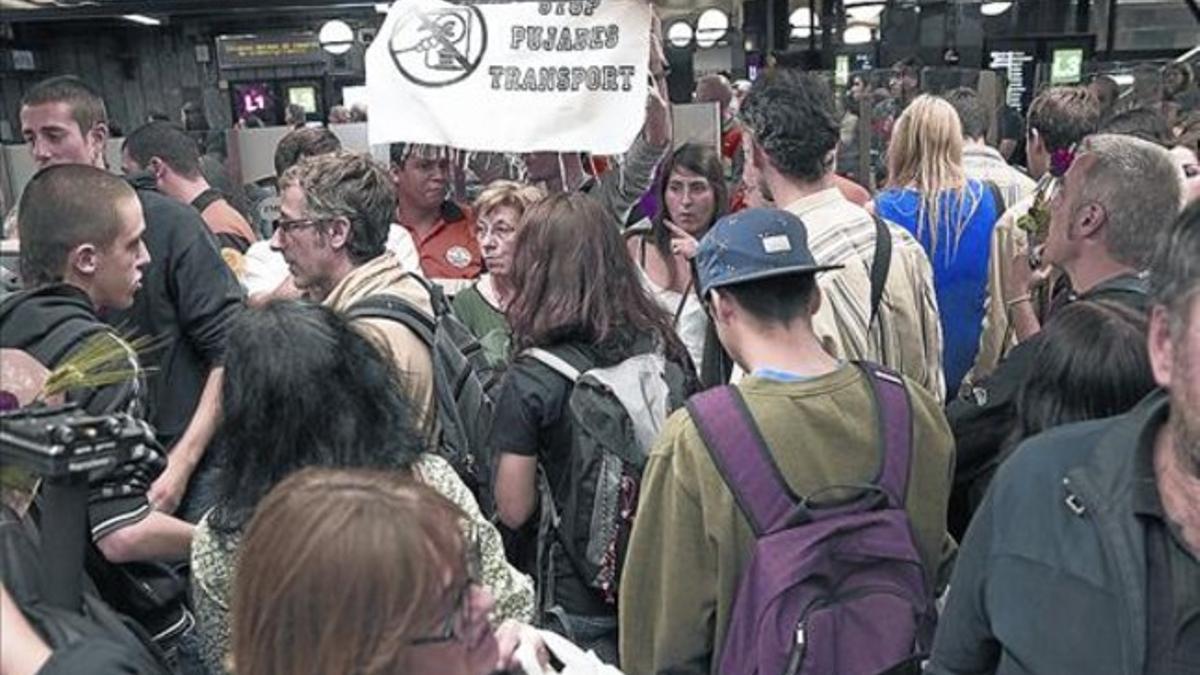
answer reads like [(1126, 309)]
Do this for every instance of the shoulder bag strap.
[(895, 429), (394, 308), (880, 266), (741, 456)]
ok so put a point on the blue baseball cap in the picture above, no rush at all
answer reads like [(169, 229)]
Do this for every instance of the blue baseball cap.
[(751, 245)]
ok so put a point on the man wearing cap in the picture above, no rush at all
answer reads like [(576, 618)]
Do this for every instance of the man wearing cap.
[(690, 541)]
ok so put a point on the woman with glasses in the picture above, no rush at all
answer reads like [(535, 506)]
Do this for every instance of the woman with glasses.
[(356, 572), (481, 307), (304, 389)]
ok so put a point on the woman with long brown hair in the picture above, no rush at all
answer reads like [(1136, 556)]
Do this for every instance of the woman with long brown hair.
[(691, 197), (357, 572), (580, 298)]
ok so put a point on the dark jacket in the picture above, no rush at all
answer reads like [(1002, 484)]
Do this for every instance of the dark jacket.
[(188, 300), (50, 323), (1051, 577), (983, 421)]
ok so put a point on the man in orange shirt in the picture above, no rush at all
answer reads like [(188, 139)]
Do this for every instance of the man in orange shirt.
[(171, 156), (443, 231)]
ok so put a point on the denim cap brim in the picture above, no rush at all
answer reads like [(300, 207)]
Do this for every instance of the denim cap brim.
[(752, 245)]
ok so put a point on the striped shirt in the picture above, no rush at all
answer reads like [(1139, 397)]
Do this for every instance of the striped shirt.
[(985, 163), (907, 336)]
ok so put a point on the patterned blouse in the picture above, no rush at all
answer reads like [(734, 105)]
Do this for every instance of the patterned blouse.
[(214, 554)]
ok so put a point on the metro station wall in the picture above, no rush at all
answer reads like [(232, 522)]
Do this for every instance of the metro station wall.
[(137, 70)]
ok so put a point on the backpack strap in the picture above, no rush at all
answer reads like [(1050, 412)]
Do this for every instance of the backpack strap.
[(205, 199), (880, 266), (394, 308), (741, 456), (895, 429), (565, 360)]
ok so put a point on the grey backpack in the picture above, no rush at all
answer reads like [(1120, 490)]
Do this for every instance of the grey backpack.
[(616, 413)]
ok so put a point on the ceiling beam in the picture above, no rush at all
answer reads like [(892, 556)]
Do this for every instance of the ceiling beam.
[(25, 10)]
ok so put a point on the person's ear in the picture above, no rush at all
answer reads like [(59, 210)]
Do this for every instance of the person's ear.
[(1090, 220), (98, 134), (1034, 140), (1161, 347), (157, 168), (758, 156), (339, 233), (723, 309), (82, 260), (814, 302)]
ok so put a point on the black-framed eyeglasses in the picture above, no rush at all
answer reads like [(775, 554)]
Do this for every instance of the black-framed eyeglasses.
[(456, 617), (289, 225)]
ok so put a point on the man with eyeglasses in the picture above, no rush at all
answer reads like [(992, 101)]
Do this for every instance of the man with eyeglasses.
[(188, 297), (335, 214)]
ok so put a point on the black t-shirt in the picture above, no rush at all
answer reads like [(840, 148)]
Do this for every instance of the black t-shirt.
[(532, 419)]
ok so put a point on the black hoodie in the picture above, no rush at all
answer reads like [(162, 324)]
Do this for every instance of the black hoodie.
[(51, 322)]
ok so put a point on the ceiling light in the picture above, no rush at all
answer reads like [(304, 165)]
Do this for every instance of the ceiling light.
[(712, 25), (802, 17), (142, 19), (382, 7), (865, 11), (857, 35), (336, 37), (679, 34), (995, 8)]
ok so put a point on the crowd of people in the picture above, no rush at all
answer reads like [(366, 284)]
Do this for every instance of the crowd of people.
[(782, 422)]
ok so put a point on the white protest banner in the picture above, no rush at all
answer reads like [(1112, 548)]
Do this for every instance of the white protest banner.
[(511, 75)]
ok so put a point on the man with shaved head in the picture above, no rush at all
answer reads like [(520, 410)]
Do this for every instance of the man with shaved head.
[(82, 253)]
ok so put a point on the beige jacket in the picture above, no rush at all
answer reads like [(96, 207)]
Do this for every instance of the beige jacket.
[(412, 357)]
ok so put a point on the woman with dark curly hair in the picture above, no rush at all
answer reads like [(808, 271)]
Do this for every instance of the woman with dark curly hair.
[(304, 389)]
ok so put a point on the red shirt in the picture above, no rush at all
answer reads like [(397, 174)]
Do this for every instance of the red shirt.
[(449, 250)]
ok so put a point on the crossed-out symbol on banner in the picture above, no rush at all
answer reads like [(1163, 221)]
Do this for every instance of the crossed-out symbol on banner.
[(435, 48)]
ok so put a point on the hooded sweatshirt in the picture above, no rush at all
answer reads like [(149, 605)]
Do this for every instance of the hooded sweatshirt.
[(50, 323)]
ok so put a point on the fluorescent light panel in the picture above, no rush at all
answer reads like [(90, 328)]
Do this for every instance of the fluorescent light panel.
[(142, 19)]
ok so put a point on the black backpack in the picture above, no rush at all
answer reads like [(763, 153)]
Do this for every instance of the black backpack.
[(22, 570), (462, 382)]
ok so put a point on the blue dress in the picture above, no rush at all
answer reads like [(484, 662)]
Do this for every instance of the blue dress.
[(960, 268)]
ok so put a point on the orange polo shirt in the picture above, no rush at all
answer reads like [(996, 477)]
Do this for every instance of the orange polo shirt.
[(449, 250)]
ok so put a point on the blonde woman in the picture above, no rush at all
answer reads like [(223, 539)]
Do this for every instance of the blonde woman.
[(929, 195), (499, 211)]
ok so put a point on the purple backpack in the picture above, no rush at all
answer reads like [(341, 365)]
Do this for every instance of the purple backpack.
[(829, 588)]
